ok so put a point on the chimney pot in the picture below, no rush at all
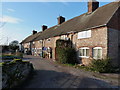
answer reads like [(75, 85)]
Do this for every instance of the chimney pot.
[(34, 32), (44, 27), (61, 19), (92, 5)]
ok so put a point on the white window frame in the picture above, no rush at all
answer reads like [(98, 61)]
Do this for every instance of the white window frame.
[(40, 41), (97, 48), (49, 39), (85, 48), (84, 34), (63, 37)]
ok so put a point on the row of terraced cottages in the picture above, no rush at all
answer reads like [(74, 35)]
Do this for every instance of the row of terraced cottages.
[(94, 34)]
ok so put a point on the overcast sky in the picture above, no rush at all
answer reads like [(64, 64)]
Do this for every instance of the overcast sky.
[(18, 19)]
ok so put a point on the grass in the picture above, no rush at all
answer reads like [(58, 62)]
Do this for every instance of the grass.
[(1, 64), (86, 68)]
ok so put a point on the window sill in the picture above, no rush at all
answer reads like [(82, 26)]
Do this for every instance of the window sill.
[(96, 58), (84, 56)]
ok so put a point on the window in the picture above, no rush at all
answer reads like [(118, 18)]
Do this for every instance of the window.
[(40, 41), (39, 50), (33, 42), (97, 53), (84, 34), (84, 52), (48, 39), (63, 37)]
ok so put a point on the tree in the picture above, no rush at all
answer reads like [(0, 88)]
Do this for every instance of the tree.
[(14, 45)]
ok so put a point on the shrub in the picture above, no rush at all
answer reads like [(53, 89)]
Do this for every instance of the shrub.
[(65, 52), (101, 65), (66, 55)]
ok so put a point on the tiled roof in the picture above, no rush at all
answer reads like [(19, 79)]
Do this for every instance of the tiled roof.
[(99, 17), (31, 37)]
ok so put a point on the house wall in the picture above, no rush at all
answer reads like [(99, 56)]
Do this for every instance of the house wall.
[(115, 21), (113, 45), (52, 44), (35, 47), (114, 38), (98, 39), (26, 45)]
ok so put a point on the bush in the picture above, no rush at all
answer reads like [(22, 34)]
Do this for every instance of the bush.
[(101, 65), (65, 52), (66, 55)]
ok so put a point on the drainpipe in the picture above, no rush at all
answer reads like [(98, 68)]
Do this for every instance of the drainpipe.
[(42, 48)]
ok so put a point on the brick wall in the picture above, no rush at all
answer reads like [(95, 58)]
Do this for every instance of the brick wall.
[(113, 45), (98, 39), (52, 44), (114, 38), (26, 45), (115, 21)]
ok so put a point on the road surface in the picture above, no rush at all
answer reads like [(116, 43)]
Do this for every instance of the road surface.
[(49, 74)]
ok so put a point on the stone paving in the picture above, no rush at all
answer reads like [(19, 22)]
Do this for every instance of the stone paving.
[(49, 74)]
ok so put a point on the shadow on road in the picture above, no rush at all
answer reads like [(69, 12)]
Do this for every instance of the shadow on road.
[(53, 79)]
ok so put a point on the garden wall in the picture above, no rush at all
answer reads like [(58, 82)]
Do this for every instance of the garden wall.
[(14, 73)]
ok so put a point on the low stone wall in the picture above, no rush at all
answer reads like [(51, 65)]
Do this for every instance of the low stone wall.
[(14, 73)]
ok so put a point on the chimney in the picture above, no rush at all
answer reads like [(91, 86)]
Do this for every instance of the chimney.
[(61, 19), (44, 27), (92, 5), (34, 32)]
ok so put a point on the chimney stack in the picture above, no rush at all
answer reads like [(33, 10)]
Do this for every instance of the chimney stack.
[(34, 32), (92, 5), (61, 19), (44, 27)]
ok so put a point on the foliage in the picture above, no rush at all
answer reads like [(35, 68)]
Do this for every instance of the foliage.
[(14, 45), (14, 73), (65, 53), (102, 65), (63, 43)]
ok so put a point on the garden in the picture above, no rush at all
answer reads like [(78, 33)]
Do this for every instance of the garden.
[(67, 55)]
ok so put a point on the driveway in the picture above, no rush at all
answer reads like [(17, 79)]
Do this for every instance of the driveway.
[(49, 74)]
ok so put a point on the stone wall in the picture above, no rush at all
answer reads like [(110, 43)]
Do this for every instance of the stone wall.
[(14, 74)]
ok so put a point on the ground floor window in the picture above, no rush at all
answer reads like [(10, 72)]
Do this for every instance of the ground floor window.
[(84, 52), (97, 53)]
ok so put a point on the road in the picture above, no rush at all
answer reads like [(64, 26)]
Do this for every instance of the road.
[(49, 74)]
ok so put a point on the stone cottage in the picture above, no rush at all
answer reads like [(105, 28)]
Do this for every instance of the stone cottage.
[(94, 34)]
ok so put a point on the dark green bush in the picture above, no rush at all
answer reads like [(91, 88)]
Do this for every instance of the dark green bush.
[(65, 52), (66, 55), (102, 65), (63, 43)]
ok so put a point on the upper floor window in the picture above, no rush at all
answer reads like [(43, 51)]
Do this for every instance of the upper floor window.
[(84, 52), (84, 34), (97, 53), (64, 37)]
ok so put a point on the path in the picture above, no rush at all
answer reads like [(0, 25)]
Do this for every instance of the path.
[(49, 74)]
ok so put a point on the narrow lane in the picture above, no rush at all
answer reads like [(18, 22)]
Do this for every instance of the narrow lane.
[(49, 74)]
